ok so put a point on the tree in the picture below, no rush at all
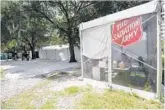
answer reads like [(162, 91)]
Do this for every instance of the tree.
[(35, 28), (67, 15), (34, 33), (10, 25), (63, 16), (21, 23), (109, 7)]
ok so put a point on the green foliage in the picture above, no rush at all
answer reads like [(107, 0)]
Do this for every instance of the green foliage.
[(32, 23), (55, 39), (9, 22), (115, 100), (67, 15), (11, 44), (22, 24), (108, 7)]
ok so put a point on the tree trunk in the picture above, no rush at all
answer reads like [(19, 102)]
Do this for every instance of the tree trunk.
[(32, 46), (71, 50), (33, 52)]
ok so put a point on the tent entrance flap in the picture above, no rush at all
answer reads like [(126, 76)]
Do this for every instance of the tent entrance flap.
[(96, 42)]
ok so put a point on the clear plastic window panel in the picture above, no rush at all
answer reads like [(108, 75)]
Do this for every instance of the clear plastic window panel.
[(135, 65), (96, 69)]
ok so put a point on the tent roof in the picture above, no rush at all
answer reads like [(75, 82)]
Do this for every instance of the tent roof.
[(55, 47), (149, 7)]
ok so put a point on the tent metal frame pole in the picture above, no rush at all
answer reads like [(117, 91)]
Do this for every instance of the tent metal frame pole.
[(163, 34), (159, 61), (81, 51), (110, 59)]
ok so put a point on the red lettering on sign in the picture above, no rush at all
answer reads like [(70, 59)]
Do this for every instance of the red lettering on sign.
[(127, 31)]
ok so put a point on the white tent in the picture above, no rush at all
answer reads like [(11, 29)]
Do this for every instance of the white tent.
[(100, 28), (95, 38), (56, 52)]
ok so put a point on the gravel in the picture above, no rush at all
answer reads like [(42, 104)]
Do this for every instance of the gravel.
[(21, 75), (9, 88), (68, 102)]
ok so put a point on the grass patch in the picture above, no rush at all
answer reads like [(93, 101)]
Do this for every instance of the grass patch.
[(27, 99), (70, 91), (48, 105), (147, 86), (115, 100), (51, 102), (40, 97), (87, 88), (73, 90), (67, 92)]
